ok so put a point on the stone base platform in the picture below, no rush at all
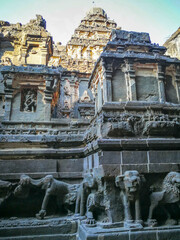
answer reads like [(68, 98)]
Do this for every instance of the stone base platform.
[(117, 232), (31, 228)]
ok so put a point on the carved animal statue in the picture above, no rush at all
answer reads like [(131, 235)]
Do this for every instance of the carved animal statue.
[(66, 193), (130, 186), (170, 194), (84, 190), (6, 189), (90, 198)]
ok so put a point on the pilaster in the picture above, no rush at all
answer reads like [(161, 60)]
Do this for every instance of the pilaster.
[(161, 77), (107, 82), (8, 80), (130, 81), (48, 97), (177, 81)]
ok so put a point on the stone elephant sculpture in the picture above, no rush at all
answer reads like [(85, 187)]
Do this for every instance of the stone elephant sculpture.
[(66, 193), (130, 186), (6, 189), (170, 194)]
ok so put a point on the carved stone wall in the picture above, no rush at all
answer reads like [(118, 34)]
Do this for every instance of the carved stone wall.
[(86, 44), (103, 173), (25, 44), (173, 45)]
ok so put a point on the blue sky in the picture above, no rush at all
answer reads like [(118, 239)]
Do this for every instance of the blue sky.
[(158, 17)]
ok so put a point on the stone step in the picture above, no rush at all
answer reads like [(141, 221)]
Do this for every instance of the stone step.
[(65, 230), (43, 237)]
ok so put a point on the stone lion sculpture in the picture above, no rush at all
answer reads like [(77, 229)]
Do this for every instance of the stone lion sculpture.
[(130, 186), (170, 194), (65, 193)]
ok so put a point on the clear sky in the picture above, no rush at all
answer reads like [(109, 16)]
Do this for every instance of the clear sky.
[(160, 18)]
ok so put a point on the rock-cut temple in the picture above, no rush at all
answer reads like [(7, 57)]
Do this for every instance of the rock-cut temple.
[(89, 133)]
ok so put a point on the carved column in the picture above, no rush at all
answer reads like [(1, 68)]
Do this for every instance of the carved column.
[(161, 76), (8, 79), (107, 82), (177, 80), (96, 100), (23, 54), (48, 97), (74, 85), (130, 81)]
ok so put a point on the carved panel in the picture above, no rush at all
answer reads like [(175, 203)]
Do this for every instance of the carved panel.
[(28, 100)]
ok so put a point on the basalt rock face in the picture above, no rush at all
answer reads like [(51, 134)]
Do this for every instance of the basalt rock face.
[(111, 167), (25, 44), (86, 44), (173, 45)]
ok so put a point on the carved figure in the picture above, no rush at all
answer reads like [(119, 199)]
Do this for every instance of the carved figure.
[(170, 194), (6, 189), (91, 198), (65, 193), (6, 61), (130, 185), (83, 192), (85, 97), (30, 101)]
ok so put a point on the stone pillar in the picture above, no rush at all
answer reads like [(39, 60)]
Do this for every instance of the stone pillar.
[(161, 76), (130, 81), (74, 83), (48, 98), (107, 82), (23, 54), (8, 79), (177, 81)]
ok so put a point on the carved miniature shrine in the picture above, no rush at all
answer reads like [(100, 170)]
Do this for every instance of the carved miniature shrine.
[(88, 152)]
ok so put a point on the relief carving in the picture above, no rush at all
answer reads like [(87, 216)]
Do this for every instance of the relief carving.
[(170, 194), (29, 99), (6, 189), (85, 97), (64, 192), (130, 186)]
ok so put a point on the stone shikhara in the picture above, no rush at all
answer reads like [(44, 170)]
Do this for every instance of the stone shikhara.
[(96, 148)]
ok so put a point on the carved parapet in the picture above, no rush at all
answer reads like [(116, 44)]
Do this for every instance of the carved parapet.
[(162, 128), (122, 121)]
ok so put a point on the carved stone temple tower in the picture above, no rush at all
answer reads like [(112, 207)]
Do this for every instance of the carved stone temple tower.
[(88, 152)]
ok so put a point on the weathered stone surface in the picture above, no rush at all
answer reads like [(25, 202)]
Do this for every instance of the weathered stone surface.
[(106, 153), (173, 45), (86, 44), (25, 44)]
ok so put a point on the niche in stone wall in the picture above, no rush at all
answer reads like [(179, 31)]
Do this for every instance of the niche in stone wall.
[(25, 112), (146, 85), (170, 89), (119, 89)]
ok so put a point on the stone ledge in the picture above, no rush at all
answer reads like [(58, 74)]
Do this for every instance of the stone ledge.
[(157, 233)]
